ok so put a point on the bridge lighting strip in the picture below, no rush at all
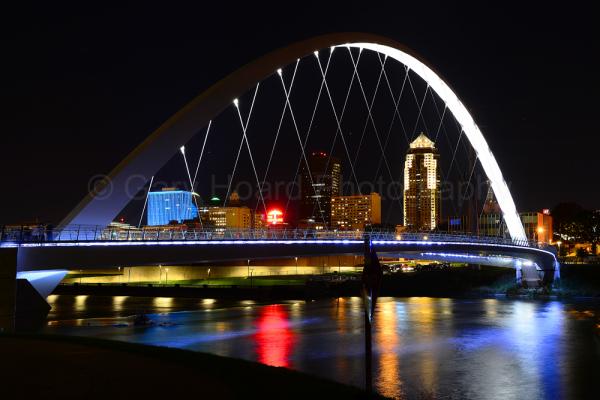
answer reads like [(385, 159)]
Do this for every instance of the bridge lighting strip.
[(268, 241), (462, 115), (393, 242), (499, 258)]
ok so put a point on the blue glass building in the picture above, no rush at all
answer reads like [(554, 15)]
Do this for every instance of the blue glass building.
[(170, 205)]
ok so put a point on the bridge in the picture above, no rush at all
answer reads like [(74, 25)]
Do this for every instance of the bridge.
[(82, 240)]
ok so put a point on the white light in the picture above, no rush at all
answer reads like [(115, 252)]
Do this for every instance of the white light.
[(235, 102), (182, 149), (316, 53), (279, 71)]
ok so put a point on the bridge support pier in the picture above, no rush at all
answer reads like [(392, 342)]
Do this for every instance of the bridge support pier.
[(23, 305), (8, 289)]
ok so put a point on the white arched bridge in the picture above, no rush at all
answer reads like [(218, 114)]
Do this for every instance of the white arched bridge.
[(82, 240)]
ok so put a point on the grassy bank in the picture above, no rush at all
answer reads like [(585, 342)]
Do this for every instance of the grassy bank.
[(49, 367), (455, 281)]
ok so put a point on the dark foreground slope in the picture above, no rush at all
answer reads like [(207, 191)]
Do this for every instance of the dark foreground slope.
[(51, 367)]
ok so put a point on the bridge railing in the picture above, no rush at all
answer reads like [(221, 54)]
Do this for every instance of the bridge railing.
[(17, 235)]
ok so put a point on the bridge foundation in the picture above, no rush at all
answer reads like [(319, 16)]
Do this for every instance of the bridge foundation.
[(8, 289), (23, 305)]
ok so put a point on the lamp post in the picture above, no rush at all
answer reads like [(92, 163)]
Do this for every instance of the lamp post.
[(166, 276), (248, 264), (159, 273), (296, 258), (120, 276), (208, 278), (559, 243)]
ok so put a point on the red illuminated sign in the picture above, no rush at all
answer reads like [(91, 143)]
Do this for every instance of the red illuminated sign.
[(275, 217)]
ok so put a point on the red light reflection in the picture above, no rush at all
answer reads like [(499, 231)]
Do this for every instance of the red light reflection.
[(274, 339)]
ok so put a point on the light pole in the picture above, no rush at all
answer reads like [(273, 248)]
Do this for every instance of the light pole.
[(159, 273), (208, 278), (559, 243), (166, 276), (296, 258), (248, 264), (120, 276)]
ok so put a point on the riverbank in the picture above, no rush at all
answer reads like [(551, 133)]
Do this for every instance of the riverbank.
[(447, 282), (48, 366)]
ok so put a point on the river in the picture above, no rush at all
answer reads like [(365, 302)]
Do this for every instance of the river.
[(423, 347)]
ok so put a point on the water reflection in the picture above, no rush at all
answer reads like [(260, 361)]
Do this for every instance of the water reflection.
[(423, 347), (387, 340), (274, 338)]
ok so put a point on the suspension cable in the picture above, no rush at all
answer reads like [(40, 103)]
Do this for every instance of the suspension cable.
[(244, 129), (187, 168), (146, 201), (396, 112), (420, 115), (369, 104), (279, 71), (370, 116), (201, 154), (244, 126), (287, 99), (337, 120), (310, 125), (396, 102)]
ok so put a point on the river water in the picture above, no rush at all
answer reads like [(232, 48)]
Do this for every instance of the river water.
[(423, 347)]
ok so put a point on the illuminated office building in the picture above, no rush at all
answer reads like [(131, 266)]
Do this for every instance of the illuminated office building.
[(355, 212), (171, 205), (229, 217), (422, 195)]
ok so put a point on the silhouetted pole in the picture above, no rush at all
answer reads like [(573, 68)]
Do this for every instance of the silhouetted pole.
[(371, 281)]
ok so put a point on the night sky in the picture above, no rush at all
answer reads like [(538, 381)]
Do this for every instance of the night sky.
[(81, 87)]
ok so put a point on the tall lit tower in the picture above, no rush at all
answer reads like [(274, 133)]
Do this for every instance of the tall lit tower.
[(422, 195), (318, 186)]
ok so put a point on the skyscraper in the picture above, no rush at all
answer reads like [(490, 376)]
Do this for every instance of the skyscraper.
[(422, 195), (316, 193)]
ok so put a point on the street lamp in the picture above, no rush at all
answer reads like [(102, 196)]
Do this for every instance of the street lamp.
[(166, 276), (208, 278), (248, 264), (559, 243), (159, 273), (120, 276), (296, 258)]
